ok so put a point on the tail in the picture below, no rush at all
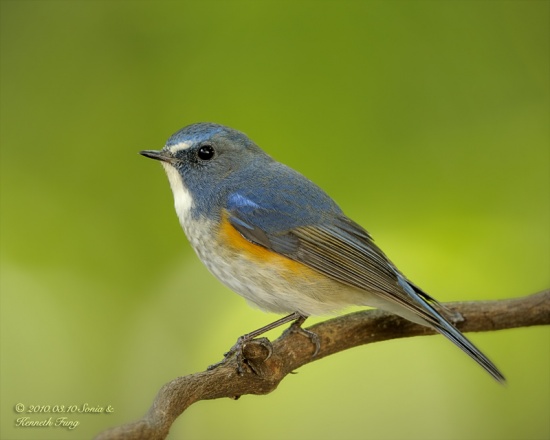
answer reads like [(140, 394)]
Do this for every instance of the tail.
[(443, 326)]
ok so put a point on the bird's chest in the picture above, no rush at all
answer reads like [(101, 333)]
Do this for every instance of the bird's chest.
[(237, 262)]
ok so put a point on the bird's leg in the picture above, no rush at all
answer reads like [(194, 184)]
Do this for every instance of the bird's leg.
[(237, 349)]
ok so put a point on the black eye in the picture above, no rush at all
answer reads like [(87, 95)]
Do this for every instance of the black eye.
[(206, 152)]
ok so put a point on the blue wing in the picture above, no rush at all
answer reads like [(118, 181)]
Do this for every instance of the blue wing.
[(290, 215), (285, 201)]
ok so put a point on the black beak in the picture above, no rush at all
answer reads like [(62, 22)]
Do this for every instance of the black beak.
[(157, 155)]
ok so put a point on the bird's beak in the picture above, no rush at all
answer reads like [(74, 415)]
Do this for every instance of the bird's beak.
[(158, 155)]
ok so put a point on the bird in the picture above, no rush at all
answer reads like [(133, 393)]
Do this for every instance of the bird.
[(281, 242)]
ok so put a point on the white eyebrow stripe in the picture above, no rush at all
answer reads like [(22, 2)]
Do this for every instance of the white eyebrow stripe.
[(179, 146)]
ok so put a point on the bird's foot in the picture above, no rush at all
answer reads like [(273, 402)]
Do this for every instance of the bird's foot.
[(296, 327), (238, 351)]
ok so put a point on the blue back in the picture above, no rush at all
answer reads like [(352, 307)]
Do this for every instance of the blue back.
[(276, 198)]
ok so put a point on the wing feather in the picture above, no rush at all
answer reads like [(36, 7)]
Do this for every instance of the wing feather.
[(358, 262)]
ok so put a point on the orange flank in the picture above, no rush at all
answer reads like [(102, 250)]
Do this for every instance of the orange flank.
[(256, 253)]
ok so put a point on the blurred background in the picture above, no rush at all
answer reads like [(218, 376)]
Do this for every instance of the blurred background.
[(427, 121)]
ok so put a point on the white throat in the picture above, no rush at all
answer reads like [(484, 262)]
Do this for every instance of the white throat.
[(183, 201)]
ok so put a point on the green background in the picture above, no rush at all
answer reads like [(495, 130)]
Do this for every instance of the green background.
[(427, 121)]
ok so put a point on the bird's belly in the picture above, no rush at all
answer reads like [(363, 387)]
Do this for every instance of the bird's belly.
[(264, 278)]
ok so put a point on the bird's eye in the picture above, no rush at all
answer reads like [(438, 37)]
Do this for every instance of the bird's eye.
[(206, 152)]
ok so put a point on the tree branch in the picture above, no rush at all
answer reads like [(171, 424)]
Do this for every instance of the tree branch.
[(292, 350)]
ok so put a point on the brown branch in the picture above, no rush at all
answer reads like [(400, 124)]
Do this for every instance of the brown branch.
[(291, 351)]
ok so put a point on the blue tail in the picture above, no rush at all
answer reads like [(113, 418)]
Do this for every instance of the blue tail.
[(443, 326)]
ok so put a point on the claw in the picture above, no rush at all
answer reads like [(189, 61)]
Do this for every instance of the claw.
[(216, 365), (296, 327), (266, 343)]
